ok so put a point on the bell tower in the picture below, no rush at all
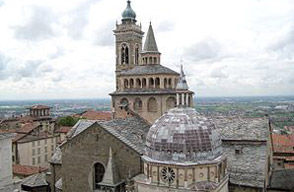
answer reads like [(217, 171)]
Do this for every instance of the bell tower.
[(128, 41)]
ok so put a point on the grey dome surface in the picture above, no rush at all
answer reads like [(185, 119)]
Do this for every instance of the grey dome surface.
[(128, 13), (183, 135)]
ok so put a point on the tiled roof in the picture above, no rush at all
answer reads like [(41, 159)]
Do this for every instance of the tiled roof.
[(283, 143), (132, 131), (149, 70), (27, 170), (63, 129), (95, 115), (4, 135), (36, 180), (282, 179), (79, 127), (236, 128)]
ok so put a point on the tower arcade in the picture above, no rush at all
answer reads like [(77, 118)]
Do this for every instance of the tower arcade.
[(143, 85)]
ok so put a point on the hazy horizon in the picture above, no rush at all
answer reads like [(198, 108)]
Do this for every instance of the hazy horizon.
[(54, 49)]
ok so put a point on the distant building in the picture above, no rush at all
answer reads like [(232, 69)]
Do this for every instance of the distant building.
[(34, 146), (283, 151), (39, 111)]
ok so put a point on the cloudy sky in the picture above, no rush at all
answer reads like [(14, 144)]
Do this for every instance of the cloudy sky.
[(65, 49)]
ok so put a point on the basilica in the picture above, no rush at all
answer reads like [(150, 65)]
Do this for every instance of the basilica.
[(156, 139)]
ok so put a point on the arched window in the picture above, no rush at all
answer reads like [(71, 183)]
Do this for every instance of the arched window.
[(138, 104), (138, 83), (126, 84), (157, 82), (152, 105), (155, 60), (131, 83), (150, 60), (98, 174), (171, 103), (169, 83), (137, 54), (165, 83), (144, 83), (124, 101), (151, 83), (124, 54)]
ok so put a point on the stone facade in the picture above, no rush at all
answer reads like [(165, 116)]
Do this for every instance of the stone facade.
[(90, 144), (142, 83)]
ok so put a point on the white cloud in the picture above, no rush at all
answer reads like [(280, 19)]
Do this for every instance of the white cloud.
[(57, 49)]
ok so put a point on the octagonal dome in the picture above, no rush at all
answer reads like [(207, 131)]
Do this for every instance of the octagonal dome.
[(183, 135)]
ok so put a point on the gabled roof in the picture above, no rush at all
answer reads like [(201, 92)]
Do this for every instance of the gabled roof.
[(149, 70), (237, 128), (36, 180), (131, 131)]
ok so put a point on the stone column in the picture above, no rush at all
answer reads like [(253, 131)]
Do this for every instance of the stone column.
[(187, 100), (178, 99), (183, 99)]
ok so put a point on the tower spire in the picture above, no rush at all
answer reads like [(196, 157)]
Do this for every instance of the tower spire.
[(150, 42), (150, 53), (184, 96), (111, 173)]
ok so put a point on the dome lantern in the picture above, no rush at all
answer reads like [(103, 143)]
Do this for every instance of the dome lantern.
[(128, 14)]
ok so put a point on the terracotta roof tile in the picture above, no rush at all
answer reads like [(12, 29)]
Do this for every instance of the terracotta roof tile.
[(283, 143), (95, 115), (63, 129), (27, 170)]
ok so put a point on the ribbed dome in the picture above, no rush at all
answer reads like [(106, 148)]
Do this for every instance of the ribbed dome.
[(128, 13), (183, 135)]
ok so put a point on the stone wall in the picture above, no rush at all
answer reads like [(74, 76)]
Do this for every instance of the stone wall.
[(246, 164), (92, 146)]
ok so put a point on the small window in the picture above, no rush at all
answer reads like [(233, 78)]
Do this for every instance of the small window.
[(39, 160), (34, 161), (46, 157), (39, 151), (238, 151), (34, 152)]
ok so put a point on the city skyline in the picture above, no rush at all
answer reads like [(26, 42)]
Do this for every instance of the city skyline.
[(54, 50)]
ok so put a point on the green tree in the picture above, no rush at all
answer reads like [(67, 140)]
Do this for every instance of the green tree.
[(67, 121)]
